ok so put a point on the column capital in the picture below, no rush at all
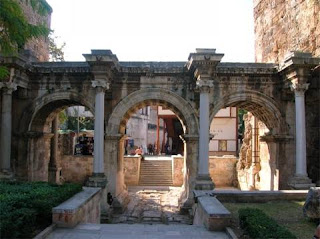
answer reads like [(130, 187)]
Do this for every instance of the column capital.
[(100, 85), (204, 85), (8, 87), (299, 88)]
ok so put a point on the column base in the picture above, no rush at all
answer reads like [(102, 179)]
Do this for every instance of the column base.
[(6, 175), (54, 175), (204, 182), (300, 182), (97, 180)]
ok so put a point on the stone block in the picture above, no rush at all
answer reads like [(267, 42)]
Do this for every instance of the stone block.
[(211, 213), (311, 207)]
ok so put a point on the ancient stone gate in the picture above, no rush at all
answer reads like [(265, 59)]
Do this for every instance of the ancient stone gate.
[(194, 90)]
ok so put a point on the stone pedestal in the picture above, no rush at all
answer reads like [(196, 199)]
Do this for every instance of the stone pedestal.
[(54, 175), (204, 182), (300, 182)]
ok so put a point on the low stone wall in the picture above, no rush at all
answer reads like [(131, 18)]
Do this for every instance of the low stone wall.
[(83, 207), (76, 169), (223, 170), (131, 169), (177, 171)]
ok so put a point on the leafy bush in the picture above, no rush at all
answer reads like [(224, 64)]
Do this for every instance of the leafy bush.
[(26, 207), (258, 225)]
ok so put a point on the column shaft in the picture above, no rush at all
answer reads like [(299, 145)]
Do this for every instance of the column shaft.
[(301, 155), (54, 142), (6, 126), (98, 164), (203, 168)]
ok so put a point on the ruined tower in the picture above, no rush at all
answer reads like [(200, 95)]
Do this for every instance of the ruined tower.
[(282, 26)]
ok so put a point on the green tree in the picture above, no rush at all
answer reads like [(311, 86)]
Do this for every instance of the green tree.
[(15, 30), (56, 52)]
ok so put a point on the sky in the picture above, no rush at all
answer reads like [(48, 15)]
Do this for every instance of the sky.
[(153, 30)]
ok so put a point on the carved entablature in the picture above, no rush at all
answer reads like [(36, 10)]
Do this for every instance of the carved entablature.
[(204, 62), (226, 68), (297, 67), (102, 63)]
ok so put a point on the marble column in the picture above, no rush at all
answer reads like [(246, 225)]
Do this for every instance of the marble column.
[(6, 127), (98, 178), (301, 154), (300, 179), (203, 178)]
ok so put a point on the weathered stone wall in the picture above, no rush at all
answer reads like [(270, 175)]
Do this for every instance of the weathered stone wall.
[(282, 26), (131, 169), (76, 169), (312, 98), (38, 46), (177, 171), (223, 170)]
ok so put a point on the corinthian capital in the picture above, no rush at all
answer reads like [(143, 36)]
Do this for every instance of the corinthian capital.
[(100, 85), (204, 86), (8, 87), (299, 88)]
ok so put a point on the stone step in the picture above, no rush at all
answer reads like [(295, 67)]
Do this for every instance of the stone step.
[(156, 173)]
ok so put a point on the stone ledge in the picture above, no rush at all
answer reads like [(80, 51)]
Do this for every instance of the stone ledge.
[(255, 196), (82, 207)]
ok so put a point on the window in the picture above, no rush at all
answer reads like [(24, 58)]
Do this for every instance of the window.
[(222, 145)]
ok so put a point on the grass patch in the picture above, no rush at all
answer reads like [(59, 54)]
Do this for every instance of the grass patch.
[(286, 213), (258, 225), (25, 207)]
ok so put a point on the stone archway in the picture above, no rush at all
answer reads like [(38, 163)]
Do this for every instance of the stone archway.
[(116, 126), (36, 124), (268, 115)]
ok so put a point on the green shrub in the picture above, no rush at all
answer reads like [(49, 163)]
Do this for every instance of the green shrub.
[(258, 225), (26, 207)]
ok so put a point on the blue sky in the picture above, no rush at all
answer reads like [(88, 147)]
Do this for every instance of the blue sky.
[(151, 30)]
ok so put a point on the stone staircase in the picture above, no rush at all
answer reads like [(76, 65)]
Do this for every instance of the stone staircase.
[(156, 173)]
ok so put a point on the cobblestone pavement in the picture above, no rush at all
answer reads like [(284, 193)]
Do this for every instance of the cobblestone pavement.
[(153, 205)]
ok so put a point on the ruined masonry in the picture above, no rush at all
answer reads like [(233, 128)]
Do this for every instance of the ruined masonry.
[(195, 90)]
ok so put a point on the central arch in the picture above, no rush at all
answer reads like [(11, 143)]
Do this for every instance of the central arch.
[(116, 129)]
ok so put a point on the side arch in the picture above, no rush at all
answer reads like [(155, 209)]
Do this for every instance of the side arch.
[(152, 96), (37, 113), (260, 105)]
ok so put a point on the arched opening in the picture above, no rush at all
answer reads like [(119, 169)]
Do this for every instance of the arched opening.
[(60, 139), (247, 159), (127, 172)]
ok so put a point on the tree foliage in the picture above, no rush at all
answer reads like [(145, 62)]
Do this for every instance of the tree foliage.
[(15, 30), (56, 52)]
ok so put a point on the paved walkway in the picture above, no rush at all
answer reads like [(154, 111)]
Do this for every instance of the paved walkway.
[(153, 205), (135, 231), (153, 213)]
